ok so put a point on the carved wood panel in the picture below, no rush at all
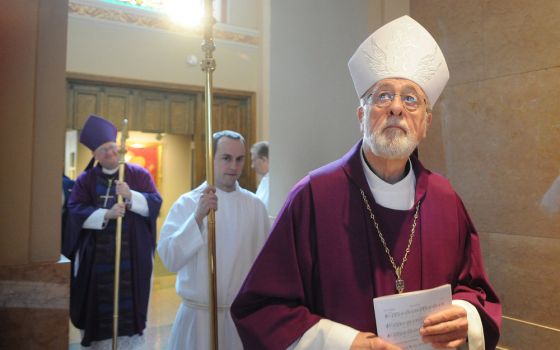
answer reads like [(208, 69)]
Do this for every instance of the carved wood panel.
[(165, 108), (83, 101), (146, 110), (152, 112), (181, 114), (117, 104), (228, 113)]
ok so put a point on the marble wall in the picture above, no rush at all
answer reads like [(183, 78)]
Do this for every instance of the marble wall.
[(34, 306), (496, 136)]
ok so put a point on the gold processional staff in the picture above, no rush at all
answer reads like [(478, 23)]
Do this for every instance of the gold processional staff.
[(208, 65), (118, 234)]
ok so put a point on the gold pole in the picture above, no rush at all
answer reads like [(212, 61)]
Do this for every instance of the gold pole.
[(208, 65), (118, 233)]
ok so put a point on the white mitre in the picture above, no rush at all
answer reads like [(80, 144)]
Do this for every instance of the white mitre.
[(400, 49)]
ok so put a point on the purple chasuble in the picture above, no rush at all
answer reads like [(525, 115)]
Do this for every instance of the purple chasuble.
[(324, 258), (91, 288)]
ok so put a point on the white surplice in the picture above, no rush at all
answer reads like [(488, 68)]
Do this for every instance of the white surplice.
[(263, 190), (242, 226)]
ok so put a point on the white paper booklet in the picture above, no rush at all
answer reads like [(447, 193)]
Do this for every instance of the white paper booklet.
[(399, 317)]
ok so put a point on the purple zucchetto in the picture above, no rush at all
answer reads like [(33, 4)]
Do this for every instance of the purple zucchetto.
[(97, 131)]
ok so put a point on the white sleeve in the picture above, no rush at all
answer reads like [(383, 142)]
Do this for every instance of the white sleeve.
[(96, 221), (180, 238), (266, 222), (475, 335), (326, 334), (139, 204)]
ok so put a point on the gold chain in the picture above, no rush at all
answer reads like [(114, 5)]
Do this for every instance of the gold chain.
[(398, 270)]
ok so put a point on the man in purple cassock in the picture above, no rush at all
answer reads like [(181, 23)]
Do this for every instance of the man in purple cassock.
[(90, 241), (373, 223)]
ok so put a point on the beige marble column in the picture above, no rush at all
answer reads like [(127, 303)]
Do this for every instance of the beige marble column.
[(34, 287)]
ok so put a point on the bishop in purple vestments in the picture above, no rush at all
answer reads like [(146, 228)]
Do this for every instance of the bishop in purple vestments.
[(90, 239), (373, 223)]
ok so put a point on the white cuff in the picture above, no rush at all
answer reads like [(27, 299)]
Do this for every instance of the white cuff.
[(326, 334), (139, 204), (96, 221), (476, 331)]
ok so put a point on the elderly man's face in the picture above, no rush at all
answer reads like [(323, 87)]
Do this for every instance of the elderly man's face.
[(108, 155), (394, 118)]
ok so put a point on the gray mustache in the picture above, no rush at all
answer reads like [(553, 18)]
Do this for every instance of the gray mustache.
[(395, 123)]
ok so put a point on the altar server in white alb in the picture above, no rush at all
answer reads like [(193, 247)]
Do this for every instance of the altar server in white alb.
[(259, 162), (242, 226)]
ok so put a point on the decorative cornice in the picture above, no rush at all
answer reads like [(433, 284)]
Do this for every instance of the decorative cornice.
[(155, 22)]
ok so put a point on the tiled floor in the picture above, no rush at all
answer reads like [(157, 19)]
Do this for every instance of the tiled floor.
[(163, 306)]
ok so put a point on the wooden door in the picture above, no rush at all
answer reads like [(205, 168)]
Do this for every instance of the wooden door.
[(228, 113), (166, 108)]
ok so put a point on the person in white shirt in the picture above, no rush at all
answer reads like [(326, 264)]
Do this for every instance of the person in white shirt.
[(242, 227), (259, 162)]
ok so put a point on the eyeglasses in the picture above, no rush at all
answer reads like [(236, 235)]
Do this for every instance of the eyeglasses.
[(384, 99), (108, 148)]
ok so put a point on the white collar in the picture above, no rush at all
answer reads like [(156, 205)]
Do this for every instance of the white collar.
[(109, 171), (224, 193), (399, 196)]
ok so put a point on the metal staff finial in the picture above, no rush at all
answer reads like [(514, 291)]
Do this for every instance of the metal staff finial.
[(208, 65)]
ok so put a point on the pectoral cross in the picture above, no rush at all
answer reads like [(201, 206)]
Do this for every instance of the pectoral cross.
[(399, 283), (107, 196)]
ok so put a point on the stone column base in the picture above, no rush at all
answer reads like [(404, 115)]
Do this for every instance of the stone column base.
[(34, 302)]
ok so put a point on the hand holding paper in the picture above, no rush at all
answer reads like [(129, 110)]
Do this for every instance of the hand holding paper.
[(400, 317), (446, 328)]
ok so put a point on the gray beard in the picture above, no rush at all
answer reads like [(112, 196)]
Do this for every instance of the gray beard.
[(392, 146)]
